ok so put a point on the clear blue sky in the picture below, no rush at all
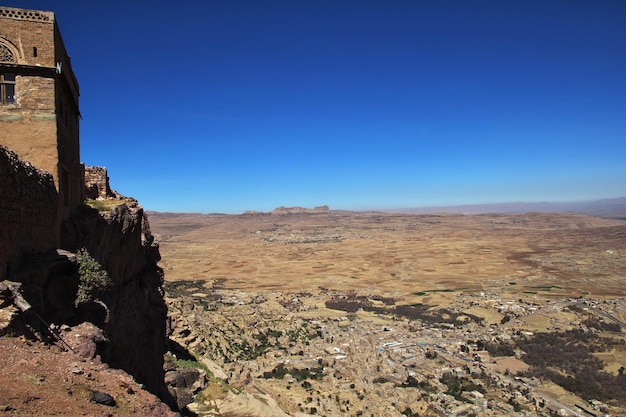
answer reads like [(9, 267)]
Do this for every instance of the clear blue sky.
[(230, 105)]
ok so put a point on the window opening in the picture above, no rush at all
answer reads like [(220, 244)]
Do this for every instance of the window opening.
[(6, 54), (7, 88), (35, 51)]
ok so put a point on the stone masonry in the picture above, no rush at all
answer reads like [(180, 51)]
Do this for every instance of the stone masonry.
[(28, 201), (97, 183), (39, 112)]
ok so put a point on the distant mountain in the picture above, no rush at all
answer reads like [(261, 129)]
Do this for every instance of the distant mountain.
[(609, 208), (300, 210)]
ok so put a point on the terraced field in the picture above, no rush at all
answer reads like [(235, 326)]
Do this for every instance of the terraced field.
[(403, 255)]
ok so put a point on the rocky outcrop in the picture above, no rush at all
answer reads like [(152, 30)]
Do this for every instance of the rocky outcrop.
[(130, 310), (49, 282), (121, 241), (184, 383), (300, 210)]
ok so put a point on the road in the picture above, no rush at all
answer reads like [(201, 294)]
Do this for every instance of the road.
[(608, 316)]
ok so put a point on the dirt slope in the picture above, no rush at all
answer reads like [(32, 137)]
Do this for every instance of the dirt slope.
[(43, 380)]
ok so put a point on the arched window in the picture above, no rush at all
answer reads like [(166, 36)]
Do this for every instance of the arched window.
[(7, 81), (6, 54)]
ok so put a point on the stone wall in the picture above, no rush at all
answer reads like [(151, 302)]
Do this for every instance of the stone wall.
[(29, 125), (27, 30), (42, 125), (97, 183), (28, 202)]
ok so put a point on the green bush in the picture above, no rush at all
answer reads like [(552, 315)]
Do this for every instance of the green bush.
[(190, 363), (92, 278), (105, 205)]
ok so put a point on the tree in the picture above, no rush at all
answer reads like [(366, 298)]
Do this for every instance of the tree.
[(93, 280)]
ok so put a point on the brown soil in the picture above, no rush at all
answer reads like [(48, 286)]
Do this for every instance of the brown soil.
[(39, 379), (548, 254)]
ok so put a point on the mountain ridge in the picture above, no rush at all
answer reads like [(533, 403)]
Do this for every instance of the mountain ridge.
[(608, 207)]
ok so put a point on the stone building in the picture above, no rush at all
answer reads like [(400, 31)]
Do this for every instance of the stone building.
[(39, 112), (97, 184)]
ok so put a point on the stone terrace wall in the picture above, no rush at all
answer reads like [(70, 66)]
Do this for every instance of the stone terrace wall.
[(28, 204)]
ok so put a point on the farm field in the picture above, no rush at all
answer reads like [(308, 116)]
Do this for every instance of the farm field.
[(535, 253)]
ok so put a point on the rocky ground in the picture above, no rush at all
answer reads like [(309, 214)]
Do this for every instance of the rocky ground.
[(337, 313), (249, 295), (48, 379)]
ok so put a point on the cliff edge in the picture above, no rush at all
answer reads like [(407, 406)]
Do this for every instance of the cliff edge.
[(132, 312), (41, 268)]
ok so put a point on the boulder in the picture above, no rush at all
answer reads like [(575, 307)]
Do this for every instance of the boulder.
[(103, 398), (182, 378)]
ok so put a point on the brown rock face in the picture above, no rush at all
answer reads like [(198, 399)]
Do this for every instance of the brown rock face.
[(121, 242), (131, 312)]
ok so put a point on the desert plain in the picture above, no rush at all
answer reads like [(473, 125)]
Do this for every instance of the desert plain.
[(303, 312), (569, 254)]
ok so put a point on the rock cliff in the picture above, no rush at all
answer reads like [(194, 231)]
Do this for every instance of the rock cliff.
[(134, 312), (37, 258)]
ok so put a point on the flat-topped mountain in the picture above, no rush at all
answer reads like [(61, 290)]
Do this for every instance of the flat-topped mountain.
[(300, 210), (609, 208)]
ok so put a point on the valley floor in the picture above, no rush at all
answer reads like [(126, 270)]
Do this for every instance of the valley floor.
[(370, 314), (379, 358)]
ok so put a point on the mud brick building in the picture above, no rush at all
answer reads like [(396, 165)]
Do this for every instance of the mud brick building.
[(39, 112)]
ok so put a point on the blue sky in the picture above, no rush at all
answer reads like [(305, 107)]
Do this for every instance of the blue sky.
[(232, 105)]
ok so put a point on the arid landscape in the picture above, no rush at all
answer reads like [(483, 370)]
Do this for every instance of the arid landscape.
[(480, 145), (304, 312), (313, 312), (396, 253)]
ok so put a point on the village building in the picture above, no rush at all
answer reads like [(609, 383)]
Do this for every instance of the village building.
[(39, 111)]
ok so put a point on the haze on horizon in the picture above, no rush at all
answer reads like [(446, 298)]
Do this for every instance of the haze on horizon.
[(233, 105)]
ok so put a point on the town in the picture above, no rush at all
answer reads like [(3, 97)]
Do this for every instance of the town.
[(314, 360)]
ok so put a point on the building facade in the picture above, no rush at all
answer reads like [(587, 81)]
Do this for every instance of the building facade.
[(39, 112)]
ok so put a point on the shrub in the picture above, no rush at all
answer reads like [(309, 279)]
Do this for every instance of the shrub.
[(300, 374), (92, 278), (105, 205), (567, 359)]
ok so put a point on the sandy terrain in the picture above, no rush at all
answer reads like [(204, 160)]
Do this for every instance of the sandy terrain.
[(469, 262), (534, 253)]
